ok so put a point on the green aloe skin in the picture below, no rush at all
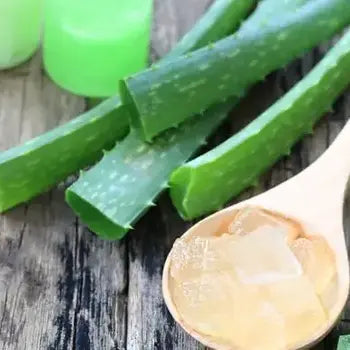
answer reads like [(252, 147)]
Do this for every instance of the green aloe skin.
[(195, 81), (39, 164), (102, 216), (36, 166), (344, 343), (116, 192), (206, 183)]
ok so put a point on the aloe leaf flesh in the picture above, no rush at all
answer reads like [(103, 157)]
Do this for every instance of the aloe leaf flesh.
[(344, 342), (124, 184), (206, 183), (165, 95), (99, 218), (37, 165)]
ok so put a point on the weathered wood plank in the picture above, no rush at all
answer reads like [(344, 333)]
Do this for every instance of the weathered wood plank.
[(38, 240), (149, 324), (172, 19), (53, 277), (101, 310)]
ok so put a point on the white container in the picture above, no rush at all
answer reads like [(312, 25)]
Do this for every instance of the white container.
[(20, 26)]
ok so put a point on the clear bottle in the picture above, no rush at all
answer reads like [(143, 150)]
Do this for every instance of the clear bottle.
[(20, 22), (90, 45)]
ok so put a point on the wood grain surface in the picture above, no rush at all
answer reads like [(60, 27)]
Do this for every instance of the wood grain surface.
[(63, 288)]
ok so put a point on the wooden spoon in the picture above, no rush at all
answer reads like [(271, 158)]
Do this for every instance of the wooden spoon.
[(315, 199)]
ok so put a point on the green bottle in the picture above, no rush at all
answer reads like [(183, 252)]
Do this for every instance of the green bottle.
[(20, 22), (89, 45)]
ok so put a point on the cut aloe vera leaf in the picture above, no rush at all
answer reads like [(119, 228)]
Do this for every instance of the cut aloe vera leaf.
[(214, 24), (165, 95), (98, 219), (42, 162), (124, 184), (206, 183), (344, 343), (36, 167)]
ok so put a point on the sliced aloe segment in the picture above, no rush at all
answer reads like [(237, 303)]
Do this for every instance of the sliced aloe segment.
[(206, 183), (37, 165)]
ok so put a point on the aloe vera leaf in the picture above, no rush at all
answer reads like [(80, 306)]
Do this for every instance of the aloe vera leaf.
[(124, 184), (222, 18), (165, 95), (109, 219), (344, 343), (40, 163), (206, 183), (36, 167), (100, 221)]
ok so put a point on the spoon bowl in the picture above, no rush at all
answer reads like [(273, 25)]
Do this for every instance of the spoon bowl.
[(315, 199)]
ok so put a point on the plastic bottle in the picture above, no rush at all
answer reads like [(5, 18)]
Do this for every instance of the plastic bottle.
[(20, 24), (90, 45)]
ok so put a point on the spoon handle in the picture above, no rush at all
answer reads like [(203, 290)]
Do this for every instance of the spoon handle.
[(317, 193)]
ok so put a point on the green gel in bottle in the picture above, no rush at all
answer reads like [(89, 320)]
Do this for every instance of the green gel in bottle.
[(90, 45), (20, 22)]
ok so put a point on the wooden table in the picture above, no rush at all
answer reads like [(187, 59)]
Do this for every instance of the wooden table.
[(63, 288)]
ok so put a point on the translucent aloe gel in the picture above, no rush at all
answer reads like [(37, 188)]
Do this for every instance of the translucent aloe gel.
[(90, 45), (20, 22)]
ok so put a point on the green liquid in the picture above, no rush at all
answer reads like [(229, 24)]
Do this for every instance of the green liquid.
[(90, 45), (19, 30)]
